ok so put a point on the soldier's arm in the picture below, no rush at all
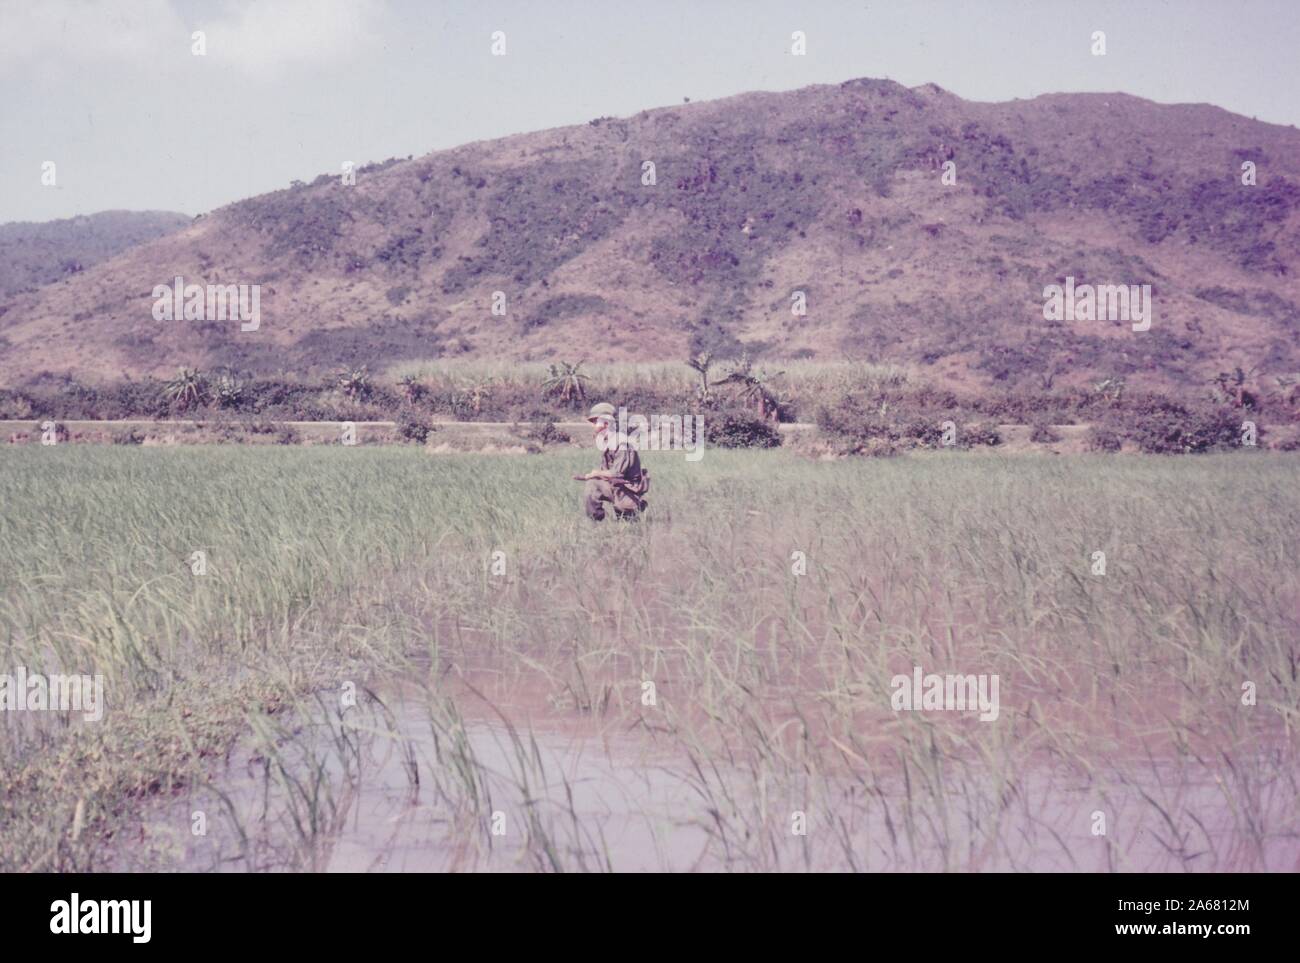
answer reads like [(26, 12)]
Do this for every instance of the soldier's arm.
[(615, 474), (618, 472)]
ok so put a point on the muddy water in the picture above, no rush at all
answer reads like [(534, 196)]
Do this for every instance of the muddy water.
[(551, 800), (395, 790), (477, 796)]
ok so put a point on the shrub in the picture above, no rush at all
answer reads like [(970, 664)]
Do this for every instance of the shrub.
[(134, 399), (850, 421), (228, 392), (354, 383), (1043, 434), (412, 389), (1104, 438), (188, 390), (743, 431), (980, 433), (566, 382), (922, 432), (909, 416), (128, 436), (545, 433), (15, 406), (413, 427), (878, 448), (1174, 432)]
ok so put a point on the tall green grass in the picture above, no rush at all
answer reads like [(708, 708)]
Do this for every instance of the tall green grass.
[(1120, 693), (657, 375)]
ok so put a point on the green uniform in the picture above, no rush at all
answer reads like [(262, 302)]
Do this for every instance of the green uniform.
[(625, 492)]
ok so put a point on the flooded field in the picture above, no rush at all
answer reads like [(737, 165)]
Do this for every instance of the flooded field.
[(394, 662), (389, 789)]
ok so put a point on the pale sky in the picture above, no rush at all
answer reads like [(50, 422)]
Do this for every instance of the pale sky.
[(110, 91)]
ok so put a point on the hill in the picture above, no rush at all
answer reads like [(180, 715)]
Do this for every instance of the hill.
[(32, 255), (833, 191)]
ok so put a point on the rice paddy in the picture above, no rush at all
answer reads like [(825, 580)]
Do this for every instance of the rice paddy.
[(378, 658)]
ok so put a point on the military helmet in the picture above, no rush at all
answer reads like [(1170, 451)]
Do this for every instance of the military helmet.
[(601, 412)]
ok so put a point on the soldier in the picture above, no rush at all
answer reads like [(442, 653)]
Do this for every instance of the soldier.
[(620, 479)]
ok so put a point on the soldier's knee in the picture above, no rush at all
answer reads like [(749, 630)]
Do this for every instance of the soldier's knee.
[(592, 501)]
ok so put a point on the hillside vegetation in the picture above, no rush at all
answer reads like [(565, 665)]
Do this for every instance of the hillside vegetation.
[(32, 255), (831, 191)]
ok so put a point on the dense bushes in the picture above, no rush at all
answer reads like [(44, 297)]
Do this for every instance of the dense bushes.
[(741, 430), (468, 396), (546, 433), (128, 436), (861, 423), (982, 433), (859, 407), (15, 406), (1104, 438), (1043, 433), (1172, 432), (194, 395), (1164, 427), (413, 426)]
